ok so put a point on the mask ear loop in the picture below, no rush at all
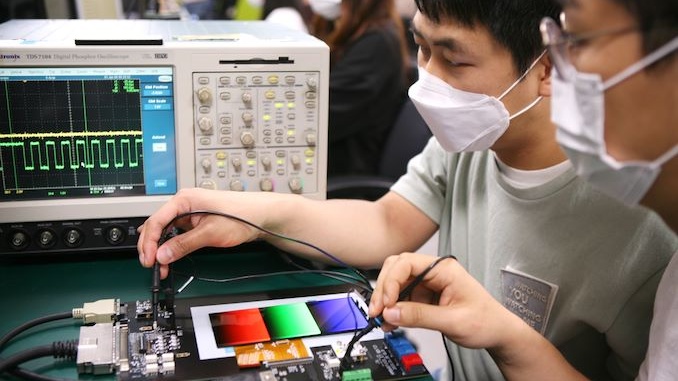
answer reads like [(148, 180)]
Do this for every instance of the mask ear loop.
[(522, 76), (539, 98), (524, 110), (642, 64)]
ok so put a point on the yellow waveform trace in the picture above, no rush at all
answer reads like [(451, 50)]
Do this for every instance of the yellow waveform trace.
[(70, 134)]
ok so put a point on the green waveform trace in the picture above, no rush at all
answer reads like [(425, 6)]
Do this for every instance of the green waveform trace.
[(80, 157)]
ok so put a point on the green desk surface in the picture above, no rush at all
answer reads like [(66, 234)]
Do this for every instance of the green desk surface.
[(43, 286)]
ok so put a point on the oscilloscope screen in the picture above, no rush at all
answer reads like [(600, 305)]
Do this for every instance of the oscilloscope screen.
[(86, 132)]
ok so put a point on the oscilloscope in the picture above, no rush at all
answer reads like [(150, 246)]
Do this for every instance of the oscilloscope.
[(101, 121)]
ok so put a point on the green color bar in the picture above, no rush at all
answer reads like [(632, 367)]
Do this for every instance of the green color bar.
[(290, 321)]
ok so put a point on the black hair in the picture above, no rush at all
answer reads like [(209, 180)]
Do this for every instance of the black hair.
[(512, 23), (271, 5), (657, 20)]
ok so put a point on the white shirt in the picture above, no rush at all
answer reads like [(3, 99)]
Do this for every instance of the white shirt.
[(661, 363)]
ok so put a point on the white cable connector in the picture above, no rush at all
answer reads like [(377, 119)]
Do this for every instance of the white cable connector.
[(101, 311)]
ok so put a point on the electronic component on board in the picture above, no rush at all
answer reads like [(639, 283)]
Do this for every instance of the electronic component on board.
[(272, 352), (134, 350)]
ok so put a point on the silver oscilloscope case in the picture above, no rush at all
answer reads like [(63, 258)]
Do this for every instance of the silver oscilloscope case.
[(189, 47)]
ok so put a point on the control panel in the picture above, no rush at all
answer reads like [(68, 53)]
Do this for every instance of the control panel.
[(257, 131)]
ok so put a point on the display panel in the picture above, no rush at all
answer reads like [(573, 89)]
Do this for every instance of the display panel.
[(86, 132), (286, 321)]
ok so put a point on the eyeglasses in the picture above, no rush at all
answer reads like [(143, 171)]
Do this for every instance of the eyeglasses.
[(562, 45)]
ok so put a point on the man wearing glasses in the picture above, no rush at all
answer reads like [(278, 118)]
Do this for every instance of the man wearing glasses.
[(614, 104)]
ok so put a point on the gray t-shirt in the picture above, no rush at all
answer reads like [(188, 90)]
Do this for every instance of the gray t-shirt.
[(575, 264)]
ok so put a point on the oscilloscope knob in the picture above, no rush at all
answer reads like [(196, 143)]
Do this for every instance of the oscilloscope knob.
[(311, 139), (205, 96), (296, 185), (296, 162), (247, 118), (312, 83), (236, 185), (206, 165), (247, 139), (247, 98), (266, 185), (205, 125), (266, 163)]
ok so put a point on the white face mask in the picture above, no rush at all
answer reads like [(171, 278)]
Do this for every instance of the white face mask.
[(327, 9), (463, 121), (578, 110)]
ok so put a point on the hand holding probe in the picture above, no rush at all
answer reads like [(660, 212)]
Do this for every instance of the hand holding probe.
[(379, 320)]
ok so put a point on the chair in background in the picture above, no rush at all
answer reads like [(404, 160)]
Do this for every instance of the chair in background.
[(407, 137)]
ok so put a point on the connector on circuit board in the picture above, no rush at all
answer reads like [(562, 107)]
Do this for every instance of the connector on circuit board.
[(96, 349)]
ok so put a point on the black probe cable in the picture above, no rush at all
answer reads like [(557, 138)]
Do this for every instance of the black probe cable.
[(32, 323), (165, 236), (375, 322), (58, 349), (23, 373)]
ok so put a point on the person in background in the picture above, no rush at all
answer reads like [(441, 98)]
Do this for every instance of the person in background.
[(614, 103), (199, 9), (291, 13), (535, 242), (369, 59)]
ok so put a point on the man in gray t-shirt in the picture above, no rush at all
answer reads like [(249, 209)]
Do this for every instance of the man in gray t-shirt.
[(575, 265)]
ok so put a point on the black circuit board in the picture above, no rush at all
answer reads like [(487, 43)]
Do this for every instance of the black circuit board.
[(168, 351)]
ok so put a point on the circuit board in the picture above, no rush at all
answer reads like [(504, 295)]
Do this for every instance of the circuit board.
[(171, 349)]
